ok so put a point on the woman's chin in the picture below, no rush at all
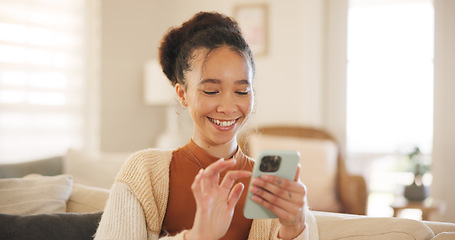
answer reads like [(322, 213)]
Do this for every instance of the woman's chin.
[(224, 138)]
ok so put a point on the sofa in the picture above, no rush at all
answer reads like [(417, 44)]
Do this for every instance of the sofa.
[(75, 205)]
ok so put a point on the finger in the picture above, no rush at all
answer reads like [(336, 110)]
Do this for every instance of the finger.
[(276, 205), (297, 174), (211, 175), (278, 186), (231, 177), (206, 183), (196, 185), (286, 199), (283, 197), (235, 194), (288, 202), (219, 166), (286, 210)]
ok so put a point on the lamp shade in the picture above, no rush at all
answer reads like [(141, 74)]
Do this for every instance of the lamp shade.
[(157, 88)]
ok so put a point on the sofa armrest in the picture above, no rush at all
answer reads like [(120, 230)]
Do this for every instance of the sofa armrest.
[(353, 193), (85, 199)]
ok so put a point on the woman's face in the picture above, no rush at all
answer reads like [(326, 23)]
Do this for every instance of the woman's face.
[(218, 94)]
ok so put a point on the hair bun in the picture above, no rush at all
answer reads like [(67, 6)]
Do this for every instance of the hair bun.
[(174, 40)]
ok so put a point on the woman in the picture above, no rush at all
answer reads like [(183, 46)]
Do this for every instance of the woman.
[(197, 191)]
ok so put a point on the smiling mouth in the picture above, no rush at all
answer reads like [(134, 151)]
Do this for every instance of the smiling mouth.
[(223, 123)]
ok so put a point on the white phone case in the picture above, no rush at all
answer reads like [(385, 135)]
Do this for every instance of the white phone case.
[(287, 169)]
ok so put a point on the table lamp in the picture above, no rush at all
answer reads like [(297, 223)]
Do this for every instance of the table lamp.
[(158, 91)]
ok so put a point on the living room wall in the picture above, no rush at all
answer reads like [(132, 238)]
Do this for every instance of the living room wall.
[(287, 84)]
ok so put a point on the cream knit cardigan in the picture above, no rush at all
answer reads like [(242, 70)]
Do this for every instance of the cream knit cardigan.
[(138, 200)]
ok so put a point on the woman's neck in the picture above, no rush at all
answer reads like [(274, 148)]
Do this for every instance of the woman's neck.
[(225, 151)]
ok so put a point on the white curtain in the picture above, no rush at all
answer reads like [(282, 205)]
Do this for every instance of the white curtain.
[(42, 78)]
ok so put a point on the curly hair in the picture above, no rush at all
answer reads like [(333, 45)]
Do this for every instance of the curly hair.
[(209, 30)]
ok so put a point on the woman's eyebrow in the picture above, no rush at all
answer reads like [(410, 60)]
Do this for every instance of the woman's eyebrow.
[(218, 81), (242, 82), (210, 80)]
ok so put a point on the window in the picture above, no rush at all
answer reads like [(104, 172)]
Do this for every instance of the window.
[(389, 83), (42, 72), (390, 76)]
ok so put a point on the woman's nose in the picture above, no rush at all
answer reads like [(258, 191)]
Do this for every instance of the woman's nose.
[(227, 105)]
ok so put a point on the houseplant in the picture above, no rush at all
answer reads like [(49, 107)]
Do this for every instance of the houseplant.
[(416, 191)]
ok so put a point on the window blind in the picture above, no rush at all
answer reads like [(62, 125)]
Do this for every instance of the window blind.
[(42, 72)]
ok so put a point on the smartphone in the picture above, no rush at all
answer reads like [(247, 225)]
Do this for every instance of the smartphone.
[(281, 163)]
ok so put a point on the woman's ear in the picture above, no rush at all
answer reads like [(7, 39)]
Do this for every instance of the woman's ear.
[(180, 90)]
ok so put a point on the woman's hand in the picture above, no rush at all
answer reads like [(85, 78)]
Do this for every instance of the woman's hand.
[(215, 201), (287, 199)]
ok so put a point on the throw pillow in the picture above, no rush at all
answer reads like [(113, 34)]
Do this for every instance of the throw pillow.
[(35, 195), (59, 226), (318, 159)]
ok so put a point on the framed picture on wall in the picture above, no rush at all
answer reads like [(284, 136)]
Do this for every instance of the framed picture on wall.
[(252, 19)]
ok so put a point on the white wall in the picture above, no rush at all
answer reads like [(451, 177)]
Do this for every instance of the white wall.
[(129, 35), (288, 83), (444, 107)]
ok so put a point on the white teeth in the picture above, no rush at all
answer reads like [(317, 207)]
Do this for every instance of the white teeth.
[(222, 123)]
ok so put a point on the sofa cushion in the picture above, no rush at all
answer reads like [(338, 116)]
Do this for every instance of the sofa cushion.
[(318, 159), (374, 229), (97, 169), (35, 195), (85, 199), (439, 227), (445, 236), (49, 226)]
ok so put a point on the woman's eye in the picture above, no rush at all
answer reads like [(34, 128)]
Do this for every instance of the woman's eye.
[(242, 92), (210, 92)]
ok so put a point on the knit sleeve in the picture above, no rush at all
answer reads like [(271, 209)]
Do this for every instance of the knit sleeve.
[(312, 226), (311, 230), (147, 175), (123, 217)]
